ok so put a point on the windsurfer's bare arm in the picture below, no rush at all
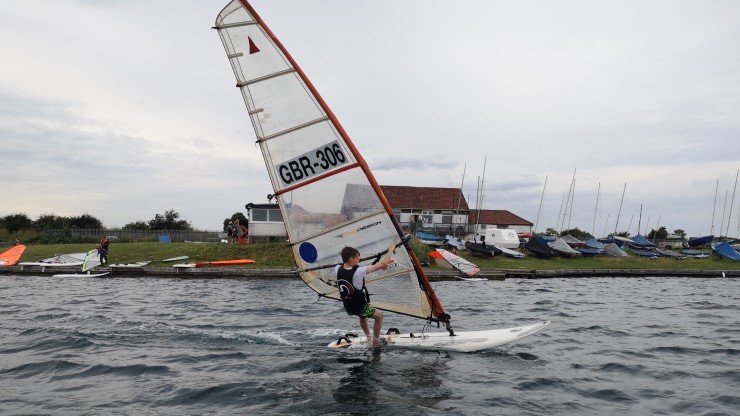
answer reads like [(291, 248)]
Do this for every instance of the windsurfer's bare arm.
[(386, 260)]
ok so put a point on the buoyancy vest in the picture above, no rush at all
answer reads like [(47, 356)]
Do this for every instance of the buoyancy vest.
[(354, 299)]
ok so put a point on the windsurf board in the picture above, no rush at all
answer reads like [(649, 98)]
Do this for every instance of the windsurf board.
[(80, 274), (470, 341)]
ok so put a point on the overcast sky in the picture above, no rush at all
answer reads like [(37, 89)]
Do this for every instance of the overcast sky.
[(125, 109)]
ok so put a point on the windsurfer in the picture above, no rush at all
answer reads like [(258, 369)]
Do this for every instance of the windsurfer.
[(353, 291)]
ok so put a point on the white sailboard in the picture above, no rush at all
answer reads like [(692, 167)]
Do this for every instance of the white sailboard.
[(462, 341), (326, 192), (459, 263), (91, 261)]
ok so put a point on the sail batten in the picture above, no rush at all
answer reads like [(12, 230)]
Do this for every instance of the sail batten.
[(327, 195), (264, 78)]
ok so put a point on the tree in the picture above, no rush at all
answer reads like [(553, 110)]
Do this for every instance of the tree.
[(575, 232), (50, 222), (136, 226), (16, 222), (85, 222), (236, 216), (660, 234), (680, 232), (169, 221)]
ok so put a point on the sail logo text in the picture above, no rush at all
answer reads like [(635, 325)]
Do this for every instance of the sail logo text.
[(312, 163), (364, 227)]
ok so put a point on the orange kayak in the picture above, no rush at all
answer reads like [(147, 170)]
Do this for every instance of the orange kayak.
[(224, 262), (11, 256)]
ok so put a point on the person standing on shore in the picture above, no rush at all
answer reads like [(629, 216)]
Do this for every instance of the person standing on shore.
[(351, 282), (103, 251)]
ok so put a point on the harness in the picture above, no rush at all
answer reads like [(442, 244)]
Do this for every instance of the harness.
[(354, 299)]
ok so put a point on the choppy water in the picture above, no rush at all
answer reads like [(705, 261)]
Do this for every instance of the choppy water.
[(170, 346)]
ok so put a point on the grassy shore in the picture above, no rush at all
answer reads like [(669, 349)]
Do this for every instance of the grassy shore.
[(278, 255)]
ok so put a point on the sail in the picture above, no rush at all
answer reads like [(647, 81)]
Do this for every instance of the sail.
[(328, 197), (92, 259), (11, 256)]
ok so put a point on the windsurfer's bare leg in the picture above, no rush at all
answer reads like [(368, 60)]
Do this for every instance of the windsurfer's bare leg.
[(365, 328), (377, 325)]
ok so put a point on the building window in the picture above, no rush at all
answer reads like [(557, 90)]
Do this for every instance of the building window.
[(259, 215), (397, 214), (446, 217), (427, 217), (275, 216)]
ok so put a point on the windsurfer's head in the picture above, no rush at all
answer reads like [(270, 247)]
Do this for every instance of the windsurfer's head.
[(348, 253)]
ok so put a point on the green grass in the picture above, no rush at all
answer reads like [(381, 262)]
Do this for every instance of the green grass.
[(274, 255), (278, 255)]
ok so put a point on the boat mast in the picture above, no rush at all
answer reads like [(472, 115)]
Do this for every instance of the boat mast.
[(560, 211), (572, 197), (593, 226), (459, 197), (714, 207), (724, 210), (616, 224), (537, 222), (567, 201), (732, 201)]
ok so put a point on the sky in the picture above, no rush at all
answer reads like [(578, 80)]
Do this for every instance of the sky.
[(126, 109)]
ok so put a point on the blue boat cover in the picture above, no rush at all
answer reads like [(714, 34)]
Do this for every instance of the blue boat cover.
[(641, 241), (726, 251), (594, 244), (644, 253), (429, 237), (693, 242)]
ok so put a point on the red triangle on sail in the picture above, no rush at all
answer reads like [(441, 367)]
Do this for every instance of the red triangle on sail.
[(252, 47)]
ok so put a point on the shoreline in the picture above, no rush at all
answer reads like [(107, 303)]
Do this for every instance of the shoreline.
[(432, 275)]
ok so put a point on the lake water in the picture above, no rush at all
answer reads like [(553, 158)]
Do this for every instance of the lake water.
[(616, 346)]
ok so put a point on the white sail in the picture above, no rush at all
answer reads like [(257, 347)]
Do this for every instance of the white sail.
[(92, 259), (326, 192), (459, 263)]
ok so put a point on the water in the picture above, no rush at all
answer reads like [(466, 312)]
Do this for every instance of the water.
[(221, 346)]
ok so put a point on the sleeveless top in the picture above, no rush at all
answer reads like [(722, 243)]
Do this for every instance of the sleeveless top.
[(354, 299)]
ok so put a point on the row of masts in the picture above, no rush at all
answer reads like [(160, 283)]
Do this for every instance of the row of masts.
[(566, 210)]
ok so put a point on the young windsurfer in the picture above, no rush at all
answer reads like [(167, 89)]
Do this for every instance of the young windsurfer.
[(351, 282)]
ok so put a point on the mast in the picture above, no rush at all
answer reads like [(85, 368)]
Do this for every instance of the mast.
[(560, 211), (596, 208), (567, 201), (459, 197), (537, 222), (732, 201), (714, 207), (572, 197), (616, 223), (724, 210)]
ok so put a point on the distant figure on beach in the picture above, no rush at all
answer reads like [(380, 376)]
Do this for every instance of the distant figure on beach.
[(103, 250), (243, 233)]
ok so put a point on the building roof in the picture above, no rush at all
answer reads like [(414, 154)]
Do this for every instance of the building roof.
[(416, 197), (498, 217)]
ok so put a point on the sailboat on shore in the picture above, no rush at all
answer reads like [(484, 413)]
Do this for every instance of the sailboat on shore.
[(326, 192)]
